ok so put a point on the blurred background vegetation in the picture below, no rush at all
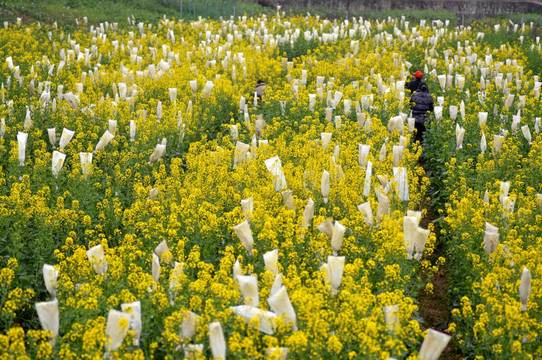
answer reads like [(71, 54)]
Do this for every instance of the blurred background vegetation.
[(66, 11)]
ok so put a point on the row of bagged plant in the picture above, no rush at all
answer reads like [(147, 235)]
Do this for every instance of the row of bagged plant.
[(151, 207), (484, 149)]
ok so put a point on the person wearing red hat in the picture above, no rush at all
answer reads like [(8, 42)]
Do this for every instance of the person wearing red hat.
[(415, 84)]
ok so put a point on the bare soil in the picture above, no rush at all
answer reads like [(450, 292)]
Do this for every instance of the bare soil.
[(435, 308)]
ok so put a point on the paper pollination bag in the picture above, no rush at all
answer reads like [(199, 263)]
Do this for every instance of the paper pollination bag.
[(276, 353), (395, 123), (266, 318), (49, 317), (173, 95), (234, 132), (367, 182), (337, 96), (174, 279), (410, 231), (347, 106), (312, 102), (208, 87), (453, 112), (417, 214), (65, 138), (158, 111), (50, 276), (116, 329), (27, 120), (498, 141), (156, 268), (400, 175), (189, 325), (324, 189), (337, 120), (217, 341), (162, 249), (248, 285), (438, 112), (52, 136), (491, 238), (259, 126), (71, 100), (275, 168), (383, 206), (325, 138), (245, 235), (367, 212), (240, 154), (57, 162), (277, 284), (3, 128), (483, 143), (104, 140), (308, 213), (411, 122), (270, 259), (421, 239), (97, 259), (112, 126), (153, 194), (86, 162), (383, 152), (193, 86), (524, 288), (337, 237), (509, 100), (247, 206), (157, 153), (237, 271), (133, 128), (503, 191), (390, 316), (335, 267), (360, 117), (133, 309), (363, 151), (282, 306), (434, 343), (22, 139), (442, 82), (459, 135), (123, 90), (398, 151), (326, 228), (526, 133)]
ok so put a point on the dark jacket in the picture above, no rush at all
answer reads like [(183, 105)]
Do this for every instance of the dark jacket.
[(421, 103), (414, 85)]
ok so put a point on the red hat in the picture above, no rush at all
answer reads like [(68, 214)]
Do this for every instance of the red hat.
[(418, 74)]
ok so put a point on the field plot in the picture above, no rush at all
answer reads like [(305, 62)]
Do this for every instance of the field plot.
[(153, 206)]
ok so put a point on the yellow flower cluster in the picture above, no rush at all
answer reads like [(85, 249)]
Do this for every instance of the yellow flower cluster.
[(136, 160), (490, 185)]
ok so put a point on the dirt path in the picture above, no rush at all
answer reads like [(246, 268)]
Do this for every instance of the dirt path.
[(434, 306)]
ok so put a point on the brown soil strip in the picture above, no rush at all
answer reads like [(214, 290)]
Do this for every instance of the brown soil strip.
[(435, 308)]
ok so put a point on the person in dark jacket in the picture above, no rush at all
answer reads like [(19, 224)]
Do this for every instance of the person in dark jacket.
[(415, 84), (421, 103), (259, 89)]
